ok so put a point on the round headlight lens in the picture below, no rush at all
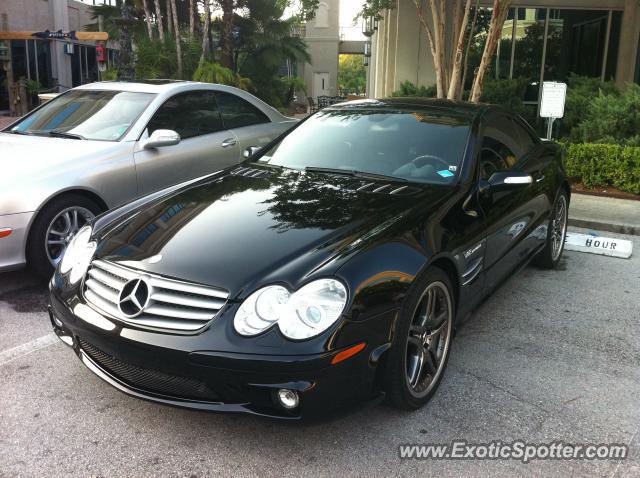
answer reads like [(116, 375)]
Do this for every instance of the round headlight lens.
[(301, 315), (261, 310), (78, 255), (313, 309)]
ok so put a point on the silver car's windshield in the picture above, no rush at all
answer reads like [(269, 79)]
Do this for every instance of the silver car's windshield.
[(87, 114)]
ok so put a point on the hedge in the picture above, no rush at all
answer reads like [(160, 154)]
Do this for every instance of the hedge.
[(602, 165)]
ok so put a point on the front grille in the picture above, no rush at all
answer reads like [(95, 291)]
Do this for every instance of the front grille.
[(149, 380), (172, 305)]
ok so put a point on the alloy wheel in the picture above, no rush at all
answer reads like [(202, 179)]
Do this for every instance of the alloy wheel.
[(429, 339), (61, 230), (558, 227)]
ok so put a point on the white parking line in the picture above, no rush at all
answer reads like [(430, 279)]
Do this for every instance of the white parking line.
[(18, 351)]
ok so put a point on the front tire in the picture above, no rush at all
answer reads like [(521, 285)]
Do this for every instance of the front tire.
[(549, 257), (53, 229), (417, 360)]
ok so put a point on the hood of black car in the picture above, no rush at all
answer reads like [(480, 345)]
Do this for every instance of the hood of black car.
[(240, 232)]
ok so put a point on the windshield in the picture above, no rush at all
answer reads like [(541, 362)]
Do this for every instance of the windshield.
[(86, 114), (420, 146)]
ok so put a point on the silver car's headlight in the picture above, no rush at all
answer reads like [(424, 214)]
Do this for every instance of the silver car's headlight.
[(78, 255), (301, 315)]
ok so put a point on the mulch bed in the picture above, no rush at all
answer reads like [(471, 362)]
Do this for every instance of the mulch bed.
[(603, 192)]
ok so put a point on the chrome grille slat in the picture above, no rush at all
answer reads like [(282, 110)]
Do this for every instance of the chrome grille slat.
[(172, 305), (104, 292), (171, 298), (108, 279), (177, 313), (186, 287)]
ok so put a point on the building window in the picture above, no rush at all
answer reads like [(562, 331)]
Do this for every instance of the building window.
[(529, 45)]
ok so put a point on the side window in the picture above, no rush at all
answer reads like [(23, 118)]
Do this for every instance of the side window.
[(237, 112), (525, 140), (189, 114), (498, 146)]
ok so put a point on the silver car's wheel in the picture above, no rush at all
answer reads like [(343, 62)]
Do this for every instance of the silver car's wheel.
[(54, 227), (429, 339), (62, 229)]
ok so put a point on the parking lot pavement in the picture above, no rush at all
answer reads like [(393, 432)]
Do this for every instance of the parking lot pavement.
[(551, 356)]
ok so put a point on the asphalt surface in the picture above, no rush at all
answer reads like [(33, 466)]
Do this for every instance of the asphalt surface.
[(551, 356)]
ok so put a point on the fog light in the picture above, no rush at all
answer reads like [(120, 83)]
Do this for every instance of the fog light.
[(288, 398)]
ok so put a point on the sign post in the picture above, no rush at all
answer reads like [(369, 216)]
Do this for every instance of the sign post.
[(552, 104)]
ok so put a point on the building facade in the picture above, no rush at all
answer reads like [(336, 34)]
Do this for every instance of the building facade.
[(542, 40), (51, 63), (322, 35)]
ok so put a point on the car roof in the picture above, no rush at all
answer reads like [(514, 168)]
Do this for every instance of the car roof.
[(457, 108), (140, 86)]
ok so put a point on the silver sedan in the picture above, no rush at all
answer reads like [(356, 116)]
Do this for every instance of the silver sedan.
[(100, 145)]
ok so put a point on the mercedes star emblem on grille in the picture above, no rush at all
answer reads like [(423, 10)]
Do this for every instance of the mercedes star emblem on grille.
[(134, 297)]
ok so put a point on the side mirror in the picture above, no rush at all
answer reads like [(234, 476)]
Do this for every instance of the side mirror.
[(160, 138), (505, 180), (250, 151)]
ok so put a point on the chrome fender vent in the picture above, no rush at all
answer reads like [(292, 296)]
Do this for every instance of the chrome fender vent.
[(150, 300), (392, 189), (250, 172)]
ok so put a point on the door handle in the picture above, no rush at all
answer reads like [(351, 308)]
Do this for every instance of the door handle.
[(229, 142)]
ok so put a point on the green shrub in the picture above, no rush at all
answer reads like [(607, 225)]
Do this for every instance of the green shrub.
[(581, 90), (602, 165), (409, 89), (611, 118)]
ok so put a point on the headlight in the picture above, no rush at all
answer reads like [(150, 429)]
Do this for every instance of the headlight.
[(78, 255), (301, 315)]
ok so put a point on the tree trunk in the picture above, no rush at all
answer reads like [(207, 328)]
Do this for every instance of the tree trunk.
[(126, 68), (169, 16), (176, 30), (206, 44), (159, 20), (192, 22), (466, 53), (226, 33), (499, 15), (147, 18), (438, 14), (427, 29), (455, 85)]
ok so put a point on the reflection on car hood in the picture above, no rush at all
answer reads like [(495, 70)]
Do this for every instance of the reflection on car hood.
[(240, 232), (41, 157)]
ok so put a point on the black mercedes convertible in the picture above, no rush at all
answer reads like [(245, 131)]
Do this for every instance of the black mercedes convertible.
[(328, 269)]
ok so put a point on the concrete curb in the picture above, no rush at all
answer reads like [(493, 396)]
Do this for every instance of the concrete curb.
[(630, 229)]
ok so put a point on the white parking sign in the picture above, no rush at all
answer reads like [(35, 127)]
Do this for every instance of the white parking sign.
[(553, 95)]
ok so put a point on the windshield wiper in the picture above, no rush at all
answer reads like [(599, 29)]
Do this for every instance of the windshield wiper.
[(354, 173), (62, 134), (17, 131)]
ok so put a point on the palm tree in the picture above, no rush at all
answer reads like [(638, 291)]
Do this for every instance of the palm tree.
[(176, 29), (159, 20), (206, 43), (169, 17), (147, 17)]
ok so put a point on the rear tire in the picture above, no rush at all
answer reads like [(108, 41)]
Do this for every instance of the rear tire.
[(549, 257), (55, 225), (418, 357)]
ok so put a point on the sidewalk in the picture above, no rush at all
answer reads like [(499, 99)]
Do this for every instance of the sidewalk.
[(605, 214)]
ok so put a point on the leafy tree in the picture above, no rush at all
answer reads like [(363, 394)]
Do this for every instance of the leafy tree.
[(352, 75)]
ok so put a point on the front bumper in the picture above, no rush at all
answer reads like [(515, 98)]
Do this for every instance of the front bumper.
[(216, 381), (13, 246)]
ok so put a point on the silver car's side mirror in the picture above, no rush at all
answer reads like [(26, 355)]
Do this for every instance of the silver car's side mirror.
[(160, 138), (250, 151)]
